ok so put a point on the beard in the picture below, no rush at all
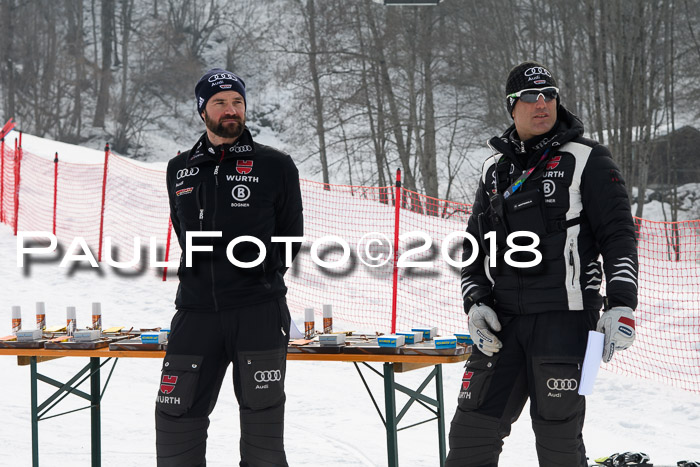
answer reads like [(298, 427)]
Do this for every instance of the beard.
[(226, 127)]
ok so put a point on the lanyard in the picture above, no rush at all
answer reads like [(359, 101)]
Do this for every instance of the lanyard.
[(519, 182)]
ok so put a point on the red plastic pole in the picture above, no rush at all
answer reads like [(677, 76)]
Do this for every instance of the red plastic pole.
[(55, 190), (167, 248), (397, 211), (18, 164), (102, 210), (2, 180)]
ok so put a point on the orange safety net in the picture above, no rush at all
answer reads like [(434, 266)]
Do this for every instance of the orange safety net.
[(361, 290)]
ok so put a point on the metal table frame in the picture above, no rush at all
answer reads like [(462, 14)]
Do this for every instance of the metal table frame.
[(391, 364), (392, 419)]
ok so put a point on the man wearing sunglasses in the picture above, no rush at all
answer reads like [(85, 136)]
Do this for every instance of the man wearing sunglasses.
[(530, 322)]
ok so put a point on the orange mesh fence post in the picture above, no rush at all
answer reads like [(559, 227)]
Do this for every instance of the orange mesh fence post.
[(102, 211), (2, 179), (395, 279), (167, 248), (18, 162), (9, 125)]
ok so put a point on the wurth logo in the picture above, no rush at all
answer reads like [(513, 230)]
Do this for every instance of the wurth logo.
[(244, 167), (168, 400), (466, 379), (553, 163), (168, 383)]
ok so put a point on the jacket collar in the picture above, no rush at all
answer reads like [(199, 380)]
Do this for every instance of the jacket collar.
[(567, 128), (203, 151)]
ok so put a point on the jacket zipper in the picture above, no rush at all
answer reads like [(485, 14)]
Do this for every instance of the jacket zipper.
[(572, 263), (213, 226), (200, 205)]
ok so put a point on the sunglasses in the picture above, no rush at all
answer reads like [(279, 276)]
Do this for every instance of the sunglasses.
[(531, 95)]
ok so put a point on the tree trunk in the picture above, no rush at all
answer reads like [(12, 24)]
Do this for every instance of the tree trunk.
[(121, 140), (7, 64), (107, 25), (316, 81), (376, 129), (76, 46), (429, 153), (404, 156)]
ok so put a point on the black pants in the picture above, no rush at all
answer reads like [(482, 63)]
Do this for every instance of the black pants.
[(541, 359), (200, 348)]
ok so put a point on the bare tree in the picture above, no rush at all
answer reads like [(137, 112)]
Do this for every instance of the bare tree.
[(126, 99), (7, 66), (105, 74), (309, 13)]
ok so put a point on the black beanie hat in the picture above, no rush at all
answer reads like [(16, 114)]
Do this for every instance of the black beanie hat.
[(527, 75), (216, 80)]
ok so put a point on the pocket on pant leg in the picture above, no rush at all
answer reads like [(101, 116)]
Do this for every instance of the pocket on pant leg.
[(478, 372), (556, 386), (262, 377), (178, 383)]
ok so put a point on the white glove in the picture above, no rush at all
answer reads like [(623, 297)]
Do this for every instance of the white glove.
[(482, 319), (618, 325)]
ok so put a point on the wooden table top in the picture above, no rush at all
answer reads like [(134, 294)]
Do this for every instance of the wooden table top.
[(336, 357)]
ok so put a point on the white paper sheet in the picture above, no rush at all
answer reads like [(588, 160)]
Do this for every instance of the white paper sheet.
[(295, 333), (591, 362)]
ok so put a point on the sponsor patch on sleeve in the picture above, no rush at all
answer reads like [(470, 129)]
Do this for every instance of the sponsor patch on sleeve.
[(184, 191), (616, 176)]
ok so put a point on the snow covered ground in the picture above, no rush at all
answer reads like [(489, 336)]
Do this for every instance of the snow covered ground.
[(330, 418)]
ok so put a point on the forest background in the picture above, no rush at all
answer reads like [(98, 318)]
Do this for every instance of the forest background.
[(354, 89)]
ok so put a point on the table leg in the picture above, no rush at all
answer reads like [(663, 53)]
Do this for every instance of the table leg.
[(390, 413), (35, 411), (440, 415), (95, 430)]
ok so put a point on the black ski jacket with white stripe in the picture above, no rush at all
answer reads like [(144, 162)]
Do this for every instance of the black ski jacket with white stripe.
[(244, 189), (575, 201)]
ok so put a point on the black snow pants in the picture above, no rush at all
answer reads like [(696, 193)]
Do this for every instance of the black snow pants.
[(541, 359), (200, 348)]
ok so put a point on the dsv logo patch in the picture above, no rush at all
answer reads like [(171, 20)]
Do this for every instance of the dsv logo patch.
[(269, 376)]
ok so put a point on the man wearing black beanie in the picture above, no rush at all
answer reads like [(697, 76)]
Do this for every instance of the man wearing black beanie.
[(236, 196), (550, 204)]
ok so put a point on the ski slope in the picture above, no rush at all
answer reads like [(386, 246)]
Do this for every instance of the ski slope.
[(330, 419)]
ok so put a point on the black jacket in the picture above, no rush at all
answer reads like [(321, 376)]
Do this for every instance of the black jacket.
[(241, 189), (576, 202)]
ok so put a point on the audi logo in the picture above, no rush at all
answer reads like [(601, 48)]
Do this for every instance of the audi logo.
[(242, 148), (537, 70), (268, 376), (562, 384), (182, 173), (219, 76)]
